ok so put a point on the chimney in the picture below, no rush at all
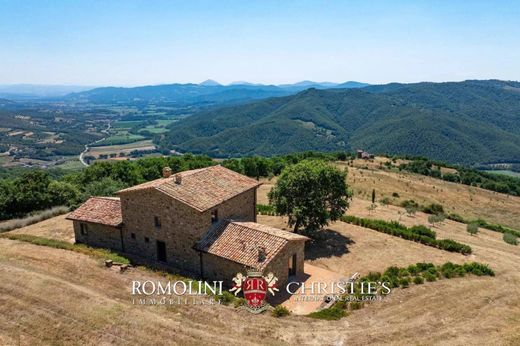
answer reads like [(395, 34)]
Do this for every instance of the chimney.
[(166, 172), (261, 254), (178, 178)]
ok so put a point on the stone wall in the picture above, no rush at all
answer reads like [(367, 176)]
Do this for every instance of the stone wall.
[(217, 268), (279, 265), (181, 226), (98, 235)]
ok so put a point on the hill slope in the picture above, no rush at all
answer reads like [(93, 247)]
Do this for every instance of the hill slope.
[(206, 92), (464, 122)]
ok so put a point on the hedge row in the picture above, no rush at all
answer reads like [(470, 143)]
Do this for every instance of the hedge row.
[(419, 234)]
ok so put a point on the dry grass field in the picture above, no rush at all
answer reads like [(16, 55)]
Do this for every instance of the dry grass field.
[(468, 201), (51, 296)]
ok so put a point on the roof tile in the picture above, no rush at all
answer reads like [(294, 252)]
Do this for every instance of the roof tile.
[(241, 241), (102, 210), (201, 188)]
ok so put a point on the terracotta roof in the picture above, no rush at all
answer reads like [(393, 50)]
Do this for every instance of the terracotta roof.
[(241, 241), (201, 188), (102, 210)]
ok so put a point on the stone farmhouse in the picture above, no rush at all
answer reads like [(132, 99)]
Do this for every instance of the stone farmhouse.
[(200, 223)]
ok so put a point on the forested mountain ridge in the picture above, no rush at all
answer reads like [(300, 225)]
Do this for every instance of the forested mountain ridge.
[(206, 92), (464, 122)]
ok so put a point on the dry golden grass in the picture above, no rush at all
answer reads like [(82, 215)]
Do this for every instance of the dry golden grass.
[(54, 228), (61, 297), (468, 201)]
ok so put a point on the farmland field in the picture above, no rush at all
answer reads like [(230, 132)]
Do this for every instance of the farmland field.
[(125, 148), (60, 286)]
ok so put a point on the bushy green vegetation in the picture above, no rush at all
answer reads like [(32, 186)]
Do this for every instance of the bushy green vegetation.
[(464, 175), (467, 122), (311, 193), (510, 238), (59, 244), (265, 209), (420, 234), (472, 228), (280, 311), (336, 312), (36, 190), (257, 167)]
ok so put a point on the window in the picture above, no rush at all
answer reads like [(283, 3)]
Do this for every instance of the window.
[(146, 239), (157, 221), (83, 228), (214, 216), (132, 235)]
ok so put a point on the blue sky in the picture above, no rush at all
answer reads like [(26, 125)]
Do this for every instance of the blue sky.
[(153, 42)]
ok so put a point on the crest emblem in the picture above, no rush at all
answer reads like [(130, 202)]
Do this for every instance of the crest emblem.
[(255, 287)]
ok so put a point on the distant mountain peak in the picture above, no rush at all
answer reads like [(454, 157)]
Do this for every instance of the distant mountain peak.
[(210, 82)]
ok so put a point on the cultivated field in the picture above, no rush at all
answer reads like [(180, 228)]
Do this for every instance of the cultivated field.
[(122, 148)]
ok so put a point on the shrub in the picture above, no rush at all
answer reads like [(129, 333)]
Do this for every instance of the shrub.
[(332, 313), (510, 238), (409, 202), (373, 276), (472, 228), (457, 218), (420, 234), (423, 230), (413, 269), (429, 277), (239, 302), (418, 280), (433, 208), (354, 305), (404, 282), (385, 201), (436, 218), (423, 266), (225, 298), (280, 311), (478, 269), (403, 272), (265, 209)]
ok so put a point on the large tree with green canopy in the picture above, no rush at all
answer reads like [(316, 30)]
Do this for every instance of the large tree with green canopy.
[(311, 193)]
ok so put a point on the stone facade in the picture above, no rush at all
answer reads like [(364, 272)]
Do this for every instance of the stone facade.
[(279, 266), (180, 225), (218, 268), (98, 235), (200, 223)]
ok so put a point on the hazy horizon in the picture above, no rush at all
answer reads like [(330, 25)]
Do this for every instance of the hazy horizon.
[(135, 42)]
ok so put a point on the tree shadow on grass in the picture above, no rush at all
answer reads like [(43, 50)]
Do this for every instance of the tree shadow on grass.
[(326, 243)]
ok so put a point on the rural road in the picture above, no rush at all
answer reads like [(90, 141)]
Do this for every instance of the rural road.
[(87, 146)]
